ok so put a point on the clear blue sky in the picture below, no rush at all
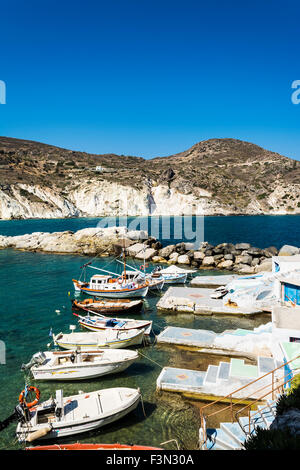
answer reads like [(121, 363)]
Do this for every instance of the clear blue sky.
[(152, 77)]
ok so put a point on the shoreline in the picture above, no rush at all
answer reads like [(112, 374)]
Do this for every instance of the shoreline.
[(242, 258), (145, 216)]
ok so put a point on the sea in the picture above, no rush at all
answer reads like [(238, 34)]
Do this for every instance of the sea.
[(35, 298)]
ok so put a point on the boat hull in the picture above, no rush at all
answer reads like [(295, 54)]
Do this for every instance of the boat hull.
[(180, 279), (68, 343), (112, 291), (79, 446), (111, 307), (63, 429), (82, 372)]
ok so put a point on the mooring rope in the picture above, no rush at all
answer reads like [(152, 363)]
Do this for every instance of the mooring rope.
[(152, 360), (143, 408)]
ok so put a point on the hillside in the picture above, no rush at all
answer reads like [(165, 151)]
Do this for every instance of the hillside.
[(217, 176)]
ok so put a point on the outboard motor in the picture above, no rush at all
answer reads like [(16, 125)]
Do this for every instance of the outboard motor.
[(21, 413), (37, 359)]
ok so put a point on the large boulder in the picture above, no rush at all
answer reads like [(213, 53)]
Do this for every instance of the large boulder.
[(133, 250), (255, 251), (265, 266), (173, 257), (227, 264), (198, 255), (147, 254), (243, 259), (183, 259), (208, 261), (270, 251), (166, 251), (288, 250), (244, 269), (158, 259), (242, 246)]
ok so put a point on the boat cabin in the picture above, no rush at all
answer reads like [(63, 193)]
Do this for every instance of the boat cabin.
[(130, 275), (99, 280)]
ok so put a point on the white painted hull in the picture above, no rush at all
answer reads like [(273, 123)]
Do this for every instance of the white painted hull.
[(83, 371), (70, 427), (112, 290), (94, 323), (97, 340), (175, 279)]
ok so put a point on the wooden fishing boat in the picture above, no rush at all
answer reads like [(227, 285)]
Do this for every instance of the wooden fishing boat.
[(99, 323), (78, 446), (108, 306), (107, 286), (61, 417), (99, 340), (74, 365)]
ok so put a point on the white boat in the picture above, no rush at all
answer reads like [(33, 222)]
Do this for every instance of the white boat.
[(74, 365), (99, 340), (114, 288), (61, 417), (154, 281), (174, 274), (100, 322)]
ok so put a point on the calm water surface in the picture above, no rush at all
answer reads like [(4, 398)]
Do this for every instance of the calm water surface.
[(260, 231), (32, 287)]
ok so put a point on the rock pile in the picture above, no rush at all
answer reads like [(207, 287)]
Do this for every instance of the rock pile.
[(241, 257)]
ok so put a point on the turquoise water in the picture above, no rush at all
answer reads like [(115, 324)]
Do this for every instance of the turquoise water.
[(260, 231), (32, 287)]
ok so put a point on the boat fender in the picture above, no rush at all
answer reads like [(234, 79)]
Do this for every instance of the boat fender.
[(38, 434), (22, 397)]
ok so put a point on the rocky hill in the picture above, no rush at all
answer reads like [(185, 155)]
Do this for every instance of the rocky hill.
[(217, 176)]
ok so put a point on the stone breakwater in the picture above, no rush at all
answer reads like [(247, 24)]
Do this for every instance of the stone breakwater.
[(241, 257)]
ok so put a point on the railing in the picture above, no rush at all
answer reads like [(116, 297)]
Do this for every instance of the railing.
[(275, 385)]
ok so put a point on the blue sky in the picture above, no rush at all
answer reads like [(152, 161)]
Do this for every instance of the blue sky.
[(150, 78)]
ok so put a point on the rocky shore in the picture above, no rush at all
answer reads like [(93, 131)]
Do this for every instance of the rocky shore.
[(241, 257)]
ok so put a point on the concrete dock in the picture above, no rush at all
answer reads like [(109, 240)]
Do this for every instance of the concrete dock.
[(220, 380), (239, 342), (198, 301), (213, 281), (187, 337)]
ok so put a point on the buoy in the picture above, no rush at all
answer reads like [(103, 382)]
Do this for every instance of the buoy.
[(40, 433), (57, 311)]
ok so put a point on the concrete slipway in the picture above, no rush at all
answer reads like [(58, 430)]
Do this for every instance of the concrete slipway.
[(198, 301)]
